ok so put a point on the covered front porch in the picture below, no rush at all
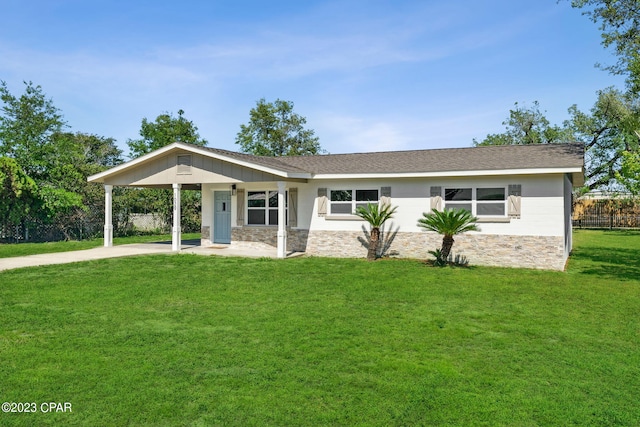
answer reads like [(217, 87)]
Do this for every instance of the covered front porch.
[(224, 178)]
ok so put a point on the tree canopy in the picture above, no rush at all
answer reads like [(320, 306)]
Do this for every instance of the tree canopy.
[(629, 174), (274, 129), (610, 131), (165, 130), (607, 132), (17, 191), (26, 126), (45, 169), (620, 26), (526, 125)]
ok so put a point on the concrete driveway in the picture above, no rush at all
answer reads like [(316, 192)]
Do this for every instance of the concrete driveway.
[(188, 246)]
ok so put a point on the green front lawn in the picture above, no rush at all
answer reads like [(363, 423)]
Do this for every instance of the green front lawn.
[(192, 340)]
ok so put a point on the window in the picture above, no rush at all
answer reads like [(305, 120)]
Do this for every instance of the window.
[(458, 198), (489, 201), (345, 202), (262, 207)]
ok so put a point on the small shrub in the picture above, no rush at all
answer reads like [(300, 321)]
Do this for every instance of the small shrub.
[(460, 261), (440, 261)]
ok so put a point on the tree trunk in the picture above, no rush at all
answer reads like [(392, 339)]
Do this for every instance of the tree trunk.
[(447, 244), (374, 238)]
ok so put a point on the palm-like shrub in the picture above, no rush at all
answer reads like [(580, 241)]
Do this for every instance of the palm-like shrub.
[(448, 223), (376, 216)]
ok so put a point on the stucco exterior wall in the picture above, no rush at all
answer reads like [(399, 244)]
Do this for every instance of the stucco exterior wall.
[(537, 239), (542, 203)]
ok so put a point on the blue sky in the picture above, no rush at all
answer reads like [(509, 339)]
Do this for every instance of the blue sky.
[(368, 75)]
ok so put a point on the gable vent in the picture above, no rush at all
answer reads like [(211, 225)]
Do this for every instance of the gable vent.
[(184, 164)]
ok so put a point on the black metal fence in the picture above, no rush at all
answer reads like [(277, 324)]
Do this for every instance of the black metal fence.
[(607, 221), (606, 213)]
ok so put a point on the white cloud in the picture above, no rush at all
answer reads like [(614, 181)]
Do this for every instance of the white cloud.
[(341, 133)]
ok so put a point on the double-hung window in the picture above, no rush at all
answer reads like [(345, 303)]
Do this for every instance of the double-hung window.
[(345, 202), (481, 201), (491, 201), (262, 207), (458, 199)]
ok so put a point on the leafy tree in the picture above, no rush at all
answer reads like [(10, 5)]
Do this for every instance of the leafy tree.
[(79, 155), (56, 202), (607, 131), (275, 130), (629, 174), (376, 216), (165, 130), (449, 223), (26, 126), (526, 126), (17, 192), (620, 25)]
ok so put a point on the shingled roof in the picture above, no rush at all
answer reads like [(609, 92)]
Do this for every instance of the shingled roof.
[(504, 157), (489, 160)]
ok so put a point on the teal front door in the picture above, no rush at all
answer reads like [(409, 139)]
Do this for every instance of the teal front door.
[(222, 217)]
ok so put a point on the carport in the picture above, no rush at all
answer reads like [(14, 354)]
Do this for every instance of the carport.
[(181, 166)]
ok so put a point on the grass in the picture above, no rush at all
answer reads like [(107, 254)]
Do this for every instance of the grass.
[(23, 249), (191, 340)]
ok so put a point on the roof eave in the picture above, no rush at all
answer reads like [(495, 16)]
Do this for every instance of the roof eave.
[(492, 172), (100, 177)]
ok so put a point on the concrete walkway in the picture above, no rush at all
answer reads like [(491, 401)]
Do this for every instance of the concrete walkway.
[(135, 249)]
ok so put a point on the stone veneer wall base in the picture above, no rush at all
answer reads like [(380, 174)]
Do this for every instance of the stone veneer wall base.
[(296, 239), (540, 252)]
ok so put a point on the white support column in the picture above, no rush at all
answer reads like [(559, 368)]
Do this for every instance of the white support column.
[(108, 216), (282, 231), (176, 233)]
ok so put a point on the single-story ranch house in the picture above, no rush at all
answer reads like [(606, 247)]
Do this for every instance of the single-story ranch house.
[(520, 194)]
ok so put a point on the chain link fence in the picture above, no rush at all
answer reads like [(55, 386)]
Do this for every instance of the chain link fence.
[(135, 211), (85, 224)]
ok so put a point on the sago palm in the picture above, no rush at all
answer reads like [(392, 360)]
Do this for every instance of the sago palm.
[(448, 223), (376, 216)]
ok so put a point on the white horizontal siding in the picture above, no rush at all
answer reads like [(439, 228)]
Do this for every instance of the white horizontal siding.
[(542, 203)]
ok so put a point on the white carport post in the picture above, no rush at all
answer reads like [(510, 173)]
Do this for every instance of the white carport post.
[(176, 234), (282, 232), (108, 216)]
